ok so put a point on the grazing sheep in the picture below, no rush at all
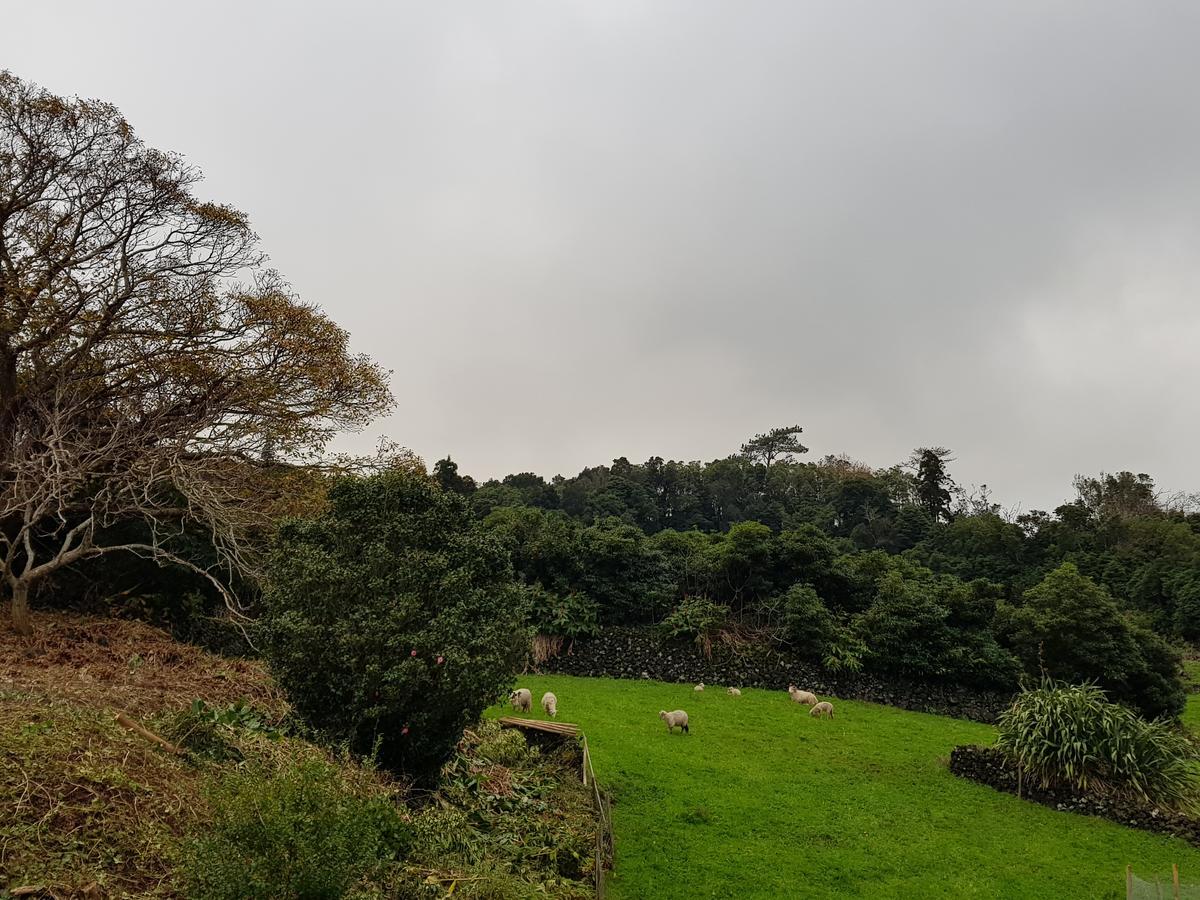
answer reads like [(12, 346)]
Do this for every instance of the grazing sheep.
[(678, 717), (521, 700), (824, 709), (800, 696), (733, 692), (550, 704), (699, 687)]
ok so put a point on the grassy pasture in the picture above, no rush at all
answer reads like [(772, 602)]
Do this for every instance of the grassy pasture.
[(763, 801)]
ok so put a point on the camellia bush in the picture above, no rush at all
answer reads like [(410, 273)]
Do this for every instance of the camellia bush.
[(1071, 735), (392, 621)]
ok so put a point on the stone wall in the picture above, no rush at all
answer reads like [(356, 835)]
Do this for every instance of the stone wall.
[(642, 653), (987, 765)]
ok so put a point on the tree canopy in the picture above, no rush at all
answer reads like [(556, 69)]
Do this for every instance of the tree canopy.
[(149, 358)]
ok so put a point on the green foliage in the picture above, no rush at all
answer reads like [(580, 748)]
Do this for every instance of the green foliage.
[(1070, 734), (1119, 496), (845, 653), (776, 444), (507, 820), (926, 626), (546, 546), (695, 619), (562, 615), (445, 473), (1186, 613), (762, 522), (808, 625), (1070, 628), (393, 620), (623, 573), (300, 831), (933, 484), (208, 731)]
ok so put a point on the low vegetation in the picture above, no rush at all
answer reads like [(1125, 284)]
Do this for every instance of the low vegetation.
[(249, 807), (86, 802), (1062, 734), (762, 801), (508, 820), (301, 829)]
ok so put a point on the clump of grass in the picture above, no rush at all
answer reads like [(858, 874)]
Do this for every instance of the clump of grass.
[(545, 647), (83, 801), (300, 830), (213, 732), (698, 815), (1071, 735)]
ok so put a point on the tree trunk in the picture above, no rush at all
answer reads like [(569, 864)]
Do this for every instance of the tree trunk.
[(20, 608)]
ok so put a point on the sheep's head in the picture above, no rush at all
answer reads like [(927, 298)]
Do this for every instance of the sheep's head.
[(662, 713)]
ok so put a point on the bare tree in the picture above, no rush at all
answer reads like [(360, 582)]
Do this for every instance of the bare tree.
[(149, 360)]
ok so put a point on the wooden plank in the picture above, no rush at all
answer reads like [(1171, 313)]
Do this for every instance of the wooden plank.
[(538, 725)]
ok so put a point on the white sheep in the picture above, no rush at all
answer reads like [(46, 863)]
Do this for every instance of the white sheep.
[(822, 710), (699, 687), (550, 704), (677, 717), (800, 696), (521, 700), (733, 692)]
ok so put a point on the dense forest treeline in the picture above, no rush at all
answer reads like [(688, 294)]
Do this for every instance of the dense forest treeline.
[(896, 569)]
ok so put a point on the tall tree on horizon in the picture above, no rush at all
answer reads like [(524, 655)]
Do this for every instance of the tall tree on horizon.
[(933, 483), (445, 473), (778, 444)]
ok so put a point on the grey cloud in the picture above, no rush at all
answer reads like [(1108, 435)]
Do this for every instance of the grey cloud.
[(583, 230)]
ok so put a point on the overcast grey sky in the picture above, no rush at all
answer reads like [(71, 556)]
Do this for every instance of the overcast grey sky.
[(582, 230)]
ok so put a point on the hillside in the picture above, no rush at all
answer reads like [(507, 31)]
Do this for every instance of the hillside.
[(760, 800), (92, 809)]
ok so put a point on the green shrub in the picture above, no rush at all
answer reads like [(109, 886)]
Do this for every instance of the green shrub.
[(209, 731), (1072, 629), (507, 820), (808, 625), (393, 620), (845, 653), (572, 615), (1071, 735), (696, 619), (927, 626), (300, 832)]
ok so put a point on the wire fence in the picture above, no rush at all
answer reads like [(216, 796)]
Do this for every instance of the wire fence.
[(1159, 889), (604, 839)]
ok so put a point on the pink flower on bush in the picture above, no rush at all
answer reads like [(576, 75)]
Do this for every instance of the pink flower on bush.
[(439, 662), (404, 730), (414, 653)]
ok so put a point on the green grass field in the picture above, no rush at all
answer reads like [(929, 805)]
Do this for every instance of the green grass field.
[(762, 801), (1191, 715)]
